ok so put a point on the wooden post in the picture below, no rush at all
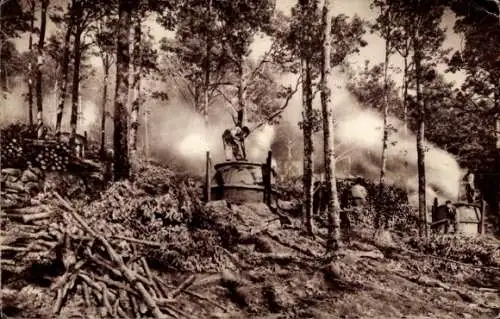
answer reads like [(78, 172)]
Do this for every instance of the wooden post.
[(482, 225), (207, 178), (267, 181), (85, 144), (435, 205)]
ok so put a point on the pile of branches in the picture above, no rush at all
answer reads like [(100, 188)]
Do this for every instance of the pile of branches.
[(112, 277), (29, 242), (169, 218), (143, 214), (94, 268), (390, 196), (160, 206), (389, 203), (156, 198)]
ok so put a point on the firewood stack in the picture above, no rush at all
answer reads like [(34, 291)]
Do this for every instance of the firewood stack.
[(48, 155), (102, 271)]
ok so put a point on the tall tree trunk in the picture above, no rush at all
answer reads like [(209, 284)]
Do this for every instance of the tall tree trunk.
[(136, 86), (405, 106), (497, 119), (207, 64), (241, 93), (30, 63), (385, 112), (422, 204), (103, 107), (329, 133), (289, 158), (3, 73), (41, 41), (146, 132), (63, 84), (381, 222), (76, 80), (497, 144), (197, 98), (120, 143), (308, 147)]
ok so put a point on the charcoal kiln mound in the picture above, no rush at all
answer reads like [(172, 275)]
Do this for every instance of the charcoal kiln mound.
[(241, 181)]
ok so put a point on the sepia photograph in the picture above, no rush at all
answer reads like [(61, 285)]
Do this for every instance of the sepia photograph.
[(264, 159)]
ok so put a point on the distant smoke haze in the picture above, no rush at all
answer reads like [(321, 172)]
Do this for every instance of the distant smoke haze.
[(177, 136), (359, 133)]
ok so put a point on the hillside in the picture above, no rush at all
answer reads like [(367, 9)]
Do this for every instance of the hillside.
[(225, 261)]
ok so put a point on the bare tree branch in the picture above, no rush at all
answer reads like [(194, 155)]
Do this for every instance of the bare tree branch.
[(282, 108), (229, 105), (263, 61), (228, 100)]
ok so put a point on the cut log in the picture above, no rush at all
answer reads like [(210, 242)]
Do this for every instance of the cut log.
[(105, 299), (185, 284), (32, 217), (138, 241), (11, 248), (116, 284), (86, 294)]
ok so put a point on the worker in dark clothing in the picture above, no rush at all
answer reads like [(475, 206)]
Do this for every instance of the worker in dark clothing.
[(470, 190), (234, 143), (447, 215), (268, 172)]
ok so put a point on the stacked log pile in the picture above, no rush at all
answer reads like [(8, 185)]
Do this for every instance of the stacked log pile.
[(21, 149), (48, 155)]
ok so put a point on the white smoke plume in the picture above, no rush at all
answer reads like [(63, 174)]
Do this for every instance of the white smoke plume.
[(359, 132), (178, 134), (362, 129)]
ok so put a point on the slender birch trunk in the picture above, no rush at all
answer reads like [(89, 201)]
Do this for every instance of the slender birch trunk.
[(39, 77), (329, 134)]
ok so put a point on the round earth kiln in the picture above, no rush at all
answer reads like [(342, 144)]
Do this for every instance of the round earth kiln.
[(239, 181), (469, 219)]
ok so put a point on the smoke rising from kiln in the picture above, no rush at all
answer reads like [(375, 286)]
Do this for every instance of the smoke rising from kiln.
[(178, 134), (359, 132)]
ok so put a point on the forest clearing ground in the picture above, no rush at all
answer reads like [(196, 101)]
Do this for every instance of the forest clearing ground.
[(394, 287), (365, 288), (247, 265)]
